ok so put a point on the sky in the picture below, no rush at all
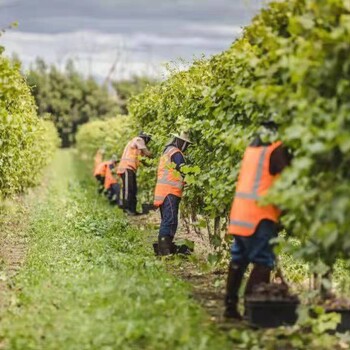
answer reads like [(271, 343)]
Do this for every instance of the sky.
[(121, 38)]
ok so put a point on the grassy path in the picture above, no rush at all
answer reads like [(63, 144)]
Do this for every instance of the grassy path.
[(90, 281)]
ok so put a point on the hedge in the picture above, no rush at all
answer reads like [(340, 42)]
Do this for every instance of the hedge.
[(27, 143), (291, 65)]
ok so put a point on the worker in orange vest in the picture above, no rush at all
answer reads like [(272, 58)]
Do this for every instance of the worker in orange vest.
[(100, 175), (127, 168), (168, 191), (98, 157), (112, 182), (254, 225)]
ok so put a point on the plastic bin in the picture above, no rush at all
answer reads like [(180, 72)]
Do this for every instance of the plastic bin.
[(271, 314)]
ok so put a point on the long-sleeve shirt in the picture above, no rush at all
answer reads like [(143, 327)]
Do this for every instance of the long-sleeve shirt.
[(178, 159)]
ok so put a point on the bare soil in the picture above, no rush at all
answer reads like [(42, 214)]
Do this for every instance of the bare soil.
[(207, 287), (14, 220), (13, 244)]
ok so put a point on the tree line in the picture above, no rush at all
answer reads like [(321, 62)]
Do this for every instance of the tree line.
[(69, 99)]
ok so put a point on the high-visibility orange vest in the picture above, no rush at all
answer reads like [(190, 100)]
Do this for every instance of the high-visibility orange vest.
[(101, 169), (98, 159), (130, 158), (169, 180), (254, 182), (110, 179)]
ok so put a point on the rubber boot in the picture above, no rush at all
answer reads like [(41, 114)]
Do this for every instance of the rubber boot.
[(260, 274), (234, 281), (165, 245), (173, 249)]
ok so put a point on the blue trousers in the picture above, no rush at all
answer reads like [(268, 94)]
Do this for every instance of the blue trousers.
[(256, 249), (169, 211)]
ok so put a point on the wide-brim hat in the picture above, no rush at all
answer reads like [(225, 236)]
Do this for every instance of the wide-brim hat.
[(184, 136)]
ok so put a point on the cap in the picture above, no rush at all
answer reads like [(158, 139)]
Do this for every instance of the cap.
[(145, 135)]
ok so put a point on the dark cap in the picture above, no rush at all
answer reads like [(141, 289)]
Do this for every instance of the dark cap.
[(269, 124), (144, 135)]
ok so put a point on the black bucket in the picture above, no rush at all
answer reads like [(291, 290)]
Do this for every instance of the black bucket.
[(184, 249), (181, 249), (271, 314)]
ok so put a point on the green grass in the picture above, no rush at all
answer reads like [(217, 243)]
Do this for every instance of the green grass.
[(90, 281)]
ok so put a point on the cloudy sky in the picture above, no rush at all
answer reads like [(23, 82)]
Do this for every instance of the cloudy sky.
[(133, 36)]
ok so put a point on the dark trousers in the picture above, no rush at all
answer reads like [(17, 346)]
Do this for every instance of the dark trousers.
[(114, 194), (129, 190), (257, 248), (101, 182), (169, 212)]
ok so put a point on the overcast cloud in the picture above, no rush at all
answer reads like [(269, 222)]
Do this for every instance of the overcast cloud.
[(140, 35)]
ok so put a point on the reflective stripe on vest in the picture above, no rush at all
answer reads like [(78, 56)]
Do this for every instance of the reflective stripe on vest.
[(164, 180), (129, 158), (159, 198), (253, 183), (167, 182), (242, 223), (259, 173)]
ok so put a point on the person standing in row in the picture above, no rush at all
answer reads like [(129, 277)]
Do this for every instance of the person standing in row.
[(254, 225), (168, 191), (134, 150)]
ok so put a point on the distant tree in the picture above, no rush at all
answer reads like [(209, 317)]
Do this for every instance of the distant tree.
[(69, 98), (125, 89)]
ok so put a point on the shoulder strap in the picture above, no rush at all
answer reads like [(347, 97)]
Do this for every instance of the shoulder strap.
[(275, 145), (172, 150)]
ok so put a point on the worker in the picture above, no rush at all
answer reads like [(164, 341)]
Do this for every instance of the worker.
[(134, 150), (100, 175), (98, 157), (168, 191), (112, 182), (253, 225)]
